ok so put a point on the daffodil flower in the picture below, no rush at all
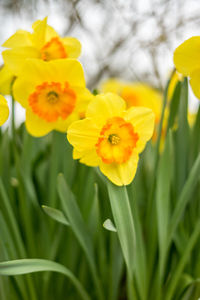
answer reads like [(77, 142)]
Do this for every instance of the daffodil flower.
[(186, 61), (53, 94), (112, 137), (135, 94), (4, 110), (43, 43)]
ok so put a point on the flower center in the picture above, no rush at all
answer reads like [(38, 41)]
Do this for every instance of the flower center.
[(116, 141), (51, 101), (52, 97), (54, 49)]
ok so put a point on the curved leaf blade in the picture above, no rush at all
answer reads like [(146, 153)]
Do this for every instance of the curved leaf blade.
[(25, 266)]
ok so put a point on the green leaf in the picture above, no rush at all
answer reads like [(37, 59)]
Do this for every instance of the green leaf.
[(185, 281), (140, 257), (182, 139), (11, 252), (124, 222), (108, 224), (25, 266), (78, 226), (71, 210), (11, 220), (174, 104), (55, 214), (163, 200), (195, 137), (171, 287), (184, 197)]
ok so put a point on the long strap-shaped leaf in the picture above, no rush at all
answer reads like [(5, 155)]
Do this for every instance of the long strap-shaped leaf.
[(124, 221), (25, 266), (123, 218), (183, 260), (184, 197), (72, 211)]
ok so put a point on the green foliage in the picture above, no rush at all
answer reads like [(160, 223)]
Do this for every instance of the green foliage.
[(55, 216)]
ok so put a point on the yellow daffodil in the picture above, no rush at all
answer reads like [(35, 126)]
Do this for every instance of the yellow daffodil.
[(186, 56), (186, 60), (112, 137), (4, 110), (135, 94), (53, 94), (43, 43)]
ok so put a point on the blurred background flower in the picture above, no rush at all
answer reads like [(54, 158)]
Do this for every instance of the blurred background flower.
[(132, 40)]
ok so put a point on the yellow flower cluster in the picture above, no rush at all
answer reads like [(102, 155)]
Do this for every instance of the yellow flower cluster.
[(43, 74), (49, 82)]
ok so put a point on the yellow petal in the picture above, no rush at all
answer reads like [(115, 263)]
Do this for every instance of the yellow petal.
[(50, 33), (22, 89), (4, 110), (16, 57), (36, 126), (195, 82), (186, 56), (89, 158), (62, 125), (84, 98), (59, 70), (21, 38), (83, 134), (72, 47), (39, 34), (6, 79), (105, 106), (121, 174), (143, 120)]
